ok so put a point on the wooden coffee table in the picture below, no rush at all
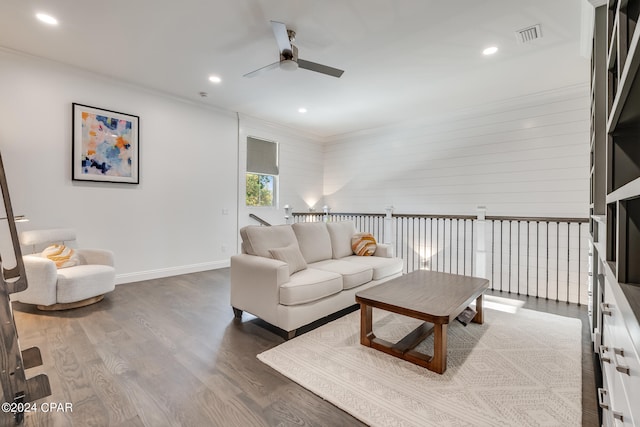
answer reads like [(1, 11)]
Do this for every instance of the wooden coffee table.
[(437, 298)]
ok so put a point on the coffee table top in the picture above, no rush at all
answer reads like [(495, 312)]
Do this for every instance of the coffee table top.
[(428, 295)]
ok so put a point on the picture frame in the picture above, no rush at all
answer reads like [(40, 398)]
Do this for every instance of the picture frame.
[(105, 145)]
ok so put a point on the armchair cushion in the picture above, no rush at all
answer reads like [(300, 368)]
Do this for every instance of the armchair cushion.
[(84, 281)]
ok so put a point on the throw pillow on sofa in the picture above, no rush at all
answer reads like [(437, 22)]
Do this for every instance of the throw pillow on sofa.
[(363, 244), (61, 255), (292, 256)]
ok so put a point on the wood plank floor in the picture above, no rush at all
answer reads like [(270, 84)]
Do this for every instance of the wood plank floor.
[(167, 352)]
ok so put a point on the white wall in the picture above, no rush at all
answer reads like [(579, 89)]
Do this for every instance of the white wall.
[(527, 156), (171, 222), (301, 170)]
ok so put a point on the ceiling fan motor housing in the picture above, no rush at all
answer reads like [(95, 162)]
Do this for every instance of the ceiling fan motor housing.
[(288, 65), (289, 59)]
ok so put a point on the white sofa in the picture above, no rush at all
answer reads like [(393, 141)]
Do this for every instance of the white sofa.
[(272, 290)]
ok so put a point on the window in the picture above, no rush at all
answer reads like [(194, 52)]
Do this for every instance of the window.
[(262, 172)]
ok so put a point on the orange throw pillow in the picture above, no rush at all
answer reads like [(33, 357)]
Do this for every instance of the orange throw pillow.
[(363, 244)]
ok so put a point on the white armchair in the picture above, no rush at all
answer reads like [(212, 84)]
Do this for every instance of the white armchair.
[(51, 288)]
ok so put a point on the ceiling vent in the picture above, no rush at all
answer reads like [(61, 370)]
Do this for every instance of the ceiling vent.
[(529, 34)]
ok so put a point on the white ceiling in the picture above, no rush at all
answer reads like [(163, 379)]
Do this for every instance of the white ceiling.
[(402, 58)]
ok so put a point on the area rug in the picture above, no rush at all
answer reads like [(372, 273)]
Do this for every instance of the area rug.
[(517, 369)]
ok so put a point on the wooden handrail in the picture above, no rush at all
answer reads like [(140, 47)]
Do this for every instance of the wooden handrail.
[(260, 220), (466, 217), (535, 219), (434, 216), (335, 213)]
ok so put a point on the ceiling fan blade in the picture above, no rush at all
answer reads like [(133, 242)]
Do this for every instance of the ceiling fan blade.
[(324, 69), (263, 69), (282, 38)]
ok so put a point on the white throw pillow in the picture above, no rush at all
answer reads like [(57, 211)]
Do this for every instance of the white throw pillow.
[(291, 255), (62, 255)]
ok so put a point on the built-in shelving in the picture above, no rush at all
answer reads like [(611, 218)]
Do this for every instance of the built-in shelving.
[(624, 156), (629, 245), (628, 190), (612, 233), (598, 228), (622, 66), (615, 205), (621, 139)]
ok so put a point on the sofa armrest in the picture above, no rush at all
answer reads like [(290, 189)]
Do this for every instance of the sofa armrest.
[(255, 285), (95, 256), (384, 250), (42, 278)]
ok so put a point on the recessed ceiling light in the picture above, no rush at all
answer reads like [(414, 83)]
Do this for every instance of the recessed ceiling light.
[(47, 19), (490, 50), (302, 110), (215, 79)]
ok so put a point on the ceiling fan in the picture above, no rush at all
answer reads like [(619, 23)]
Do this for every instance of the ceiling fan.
[(289, 55)]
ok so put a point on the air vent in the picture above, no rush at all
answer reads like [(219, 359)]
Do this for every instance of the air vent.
[(529, 34)]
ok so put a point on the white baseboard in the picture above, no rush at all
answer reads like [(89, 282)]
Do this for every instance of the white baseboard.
[(169, 271)]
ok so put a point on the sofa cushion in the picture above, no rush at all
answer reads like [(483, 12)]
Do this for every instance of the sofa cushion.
[(310, 285), (257, 240), (291, 255), (314, 241), (363, 244), (353, 274), (382, 267), (340, 233)]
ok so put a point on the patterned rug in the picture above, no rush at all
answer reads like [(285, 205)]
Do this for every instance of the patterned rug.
[(517, 369)]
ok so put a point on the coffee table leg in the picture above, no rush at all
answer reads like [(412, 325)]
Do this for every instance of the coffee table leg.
[(439, 361), (366, 325), (479, 318)]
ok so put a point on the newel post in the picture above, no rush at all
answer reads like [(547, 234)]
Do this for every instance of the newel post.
[(388, 225), (288, 217), (480, 239), (327, 211)]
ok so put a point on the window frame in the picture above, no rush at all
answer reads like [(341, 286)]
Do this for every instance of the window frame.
[(263, 168)]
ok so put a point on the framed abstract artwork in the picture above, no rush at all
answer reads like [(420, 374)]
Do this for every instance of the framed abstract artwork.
[(106, 145)]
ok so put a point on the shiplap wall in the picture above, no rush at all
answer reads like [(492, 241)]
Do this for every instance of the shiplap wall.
[(526, 156)]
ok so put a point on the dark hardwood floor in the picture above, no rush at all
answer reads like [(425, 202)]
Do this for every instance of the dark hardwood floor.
[(168, 352)]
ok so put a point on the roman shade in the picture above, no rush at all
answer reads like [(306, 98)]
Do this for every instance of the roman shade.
[(262, 156)]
